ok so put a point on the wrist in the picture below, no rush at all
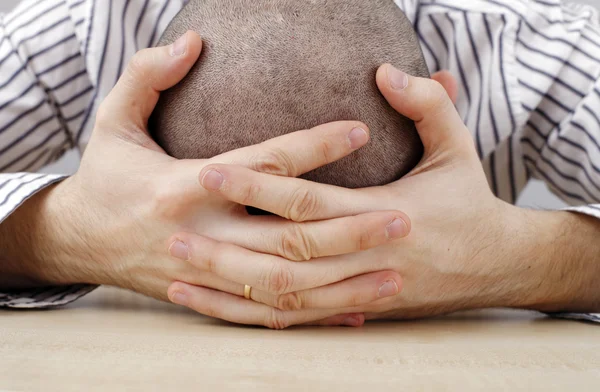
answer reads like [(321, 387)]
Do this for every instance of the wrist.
[(41, 242), (550, 260), (62, 243), (53, 238)]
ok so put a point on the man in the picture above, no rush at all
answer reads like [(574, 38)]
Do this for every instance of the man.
[(497, 25)]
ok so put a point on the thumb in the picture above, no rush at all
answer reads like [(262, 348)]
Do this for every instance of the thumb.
[(447, 80), (150, 71), (426, 102)]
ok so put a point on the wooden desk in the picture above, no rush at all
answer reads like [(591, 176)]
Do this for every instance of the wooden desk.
[(115, 340)]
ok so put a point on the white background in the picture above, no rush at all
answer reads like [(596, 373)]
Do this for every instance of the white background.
[(536, 194)]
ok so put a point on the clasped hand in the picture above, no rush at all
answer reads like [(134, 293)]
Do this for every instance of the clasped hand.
[(160, 226), (464, 249), (136, 218)]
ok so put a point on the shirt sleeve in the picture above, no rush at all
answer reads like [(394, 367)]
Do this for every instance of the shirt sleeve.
[(44, 91), (558, 62)]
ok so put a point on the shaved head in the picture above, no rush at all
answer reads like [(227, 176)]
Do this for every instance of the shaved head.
[(271, 67)]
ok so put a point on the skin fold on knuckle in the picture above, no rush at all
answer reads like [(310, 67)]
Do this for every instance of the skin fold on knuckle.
[(250, 193), (139, 66), (327, 150), (279, 279), (363, 235), (303, 205), (289, 301), (209, 258), (276, 162), (358, 299), (296, 245), (436, 100), (276, 320)]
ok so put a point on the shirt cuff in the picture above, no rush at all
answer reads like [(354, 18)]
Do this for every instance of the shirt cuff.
[(16, 188), (592, 317), (591, 210), (44, 298)]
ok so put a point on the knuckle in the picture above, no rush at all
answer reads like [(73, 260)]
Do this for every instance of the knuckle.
[(137, 66), (437, 97), (327, 149), (296, 245), (289, 301), (384, 305), (167, 201), (140, 68), (212, 255), (276, 320), (280, 279), (275, 161), (355, 300), (163, 201), (208, 261), (362, 238), (303, 205), (250, 194), (103, 115)]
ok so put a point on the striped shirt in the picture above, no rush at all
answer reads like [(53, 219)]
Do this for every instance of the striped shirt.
[(528, 72)]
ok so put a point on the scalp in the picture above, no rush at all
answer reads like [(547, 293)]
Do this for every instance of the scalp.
[(270, 67)]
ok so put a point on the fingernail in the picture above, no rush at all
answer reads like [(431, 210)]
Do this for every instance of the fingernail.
[(398, 79), (213, 180), (396, 229), (358, 137), (388, 289), (179, 47), (179, 250), (179, 298), (351, 322)]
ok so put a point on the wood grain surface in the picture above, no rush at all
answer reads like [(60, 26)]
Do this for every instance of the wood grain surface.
[(116, 340)]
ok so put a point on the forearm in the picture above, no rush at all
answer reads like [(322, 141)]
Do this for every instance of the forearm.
[(558, 263), (38, 245)]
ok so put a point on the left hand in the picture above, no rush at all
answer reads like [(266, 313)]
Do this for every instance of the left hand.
[(466, 247)]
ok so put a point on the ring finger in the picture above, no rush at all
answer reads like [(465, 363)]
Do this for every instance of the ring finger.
[(236, 309), (269, 273)]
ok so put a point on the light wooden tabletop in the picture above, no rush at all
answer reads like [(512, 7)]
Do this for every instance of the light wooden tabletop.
[(116, 340)]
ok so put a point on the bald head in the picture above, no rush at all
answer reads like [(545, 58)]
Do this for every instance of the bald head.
[(271, 67)]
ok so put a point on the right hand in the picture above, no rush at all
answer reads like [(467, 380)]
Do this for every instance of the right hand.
[(136, 218)]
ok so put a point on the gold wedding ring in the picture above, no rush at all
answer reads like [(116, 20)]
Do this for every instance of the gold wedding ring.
[(247, 291)]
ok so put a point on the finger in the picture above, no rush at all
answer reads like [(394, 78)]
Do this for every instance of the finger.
[(315, 239), (289, 155), (268, 273), (296, 153), (295, 199), (346, 320), (149, 72), (190, 275), (351, 293), (426, 102), (357, 291), (448, 81), (239, 310)]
